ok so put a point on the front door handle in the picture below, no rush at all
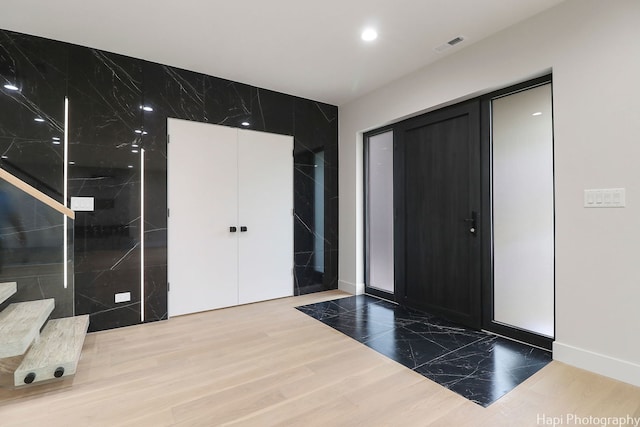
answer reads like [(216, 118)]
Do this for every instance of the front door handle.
[(473, 226)]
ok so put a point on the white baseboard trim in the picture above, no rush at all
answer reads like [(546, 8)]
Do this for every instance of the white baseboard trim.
[(352, 288), (608, 366)]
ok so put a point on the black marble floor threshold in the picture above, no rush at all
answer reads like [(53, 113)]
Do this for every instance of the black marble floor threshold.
[(479, 366)]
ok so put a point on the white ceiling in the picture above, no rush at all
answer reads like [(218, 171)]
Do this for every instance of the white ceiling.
[(304, 48)]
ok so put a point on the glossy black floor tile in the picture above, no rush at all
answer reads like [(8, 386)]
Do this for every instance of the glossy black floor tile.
[(326, 309), (479, 366), (414, 348)]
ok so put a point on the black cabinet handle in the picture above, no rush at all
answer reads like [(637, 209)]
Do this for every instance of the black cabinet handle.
[(243, 228), (233, 229)]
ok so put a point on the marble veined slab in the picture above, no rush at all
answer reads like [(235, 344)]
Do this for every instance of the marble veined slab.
[(57, 352), (20, 324), (6, 290), (478, 366)]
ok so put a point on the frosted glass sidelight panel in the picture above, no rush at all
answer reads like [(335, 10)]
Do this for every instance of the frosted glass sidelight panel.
[(380, 212), (523, 210)]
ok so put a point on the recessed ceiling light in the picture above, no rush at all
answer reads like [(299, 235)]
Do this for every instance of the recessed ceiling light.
[(369, 35), (137, 131), (72, 162), (39, 119), (134, 151), (134, 145), (11, 87), (56, 142), (146, 108), (537, 113), (245, 123), (130, 166), (55, 138), (4, 157)]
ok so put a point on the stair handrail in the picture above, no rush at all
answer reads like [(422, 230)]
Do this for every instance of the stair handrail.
[(17, 171), (23, 186)]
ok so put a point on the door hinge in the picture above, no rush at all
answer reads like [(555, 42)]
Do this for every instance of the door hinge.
[(168, 286), (168, 213), (168, 138)]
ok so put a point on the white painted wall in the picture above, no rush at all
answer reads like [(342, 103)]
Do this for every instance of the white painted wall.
[(593, 48)]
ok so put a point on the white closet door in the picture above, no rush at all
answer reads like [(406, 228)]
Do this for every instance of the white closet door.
[(203, 201), (265, 176)]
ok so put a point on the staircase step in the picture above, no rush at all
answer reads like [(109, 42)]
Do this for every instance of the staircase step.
[(8, 366), (20, 324), (57, 352), (6, 290)]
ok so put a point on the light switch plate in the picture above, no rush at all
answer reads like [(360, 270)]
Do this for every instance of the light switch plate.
[(82, 204), (605, 198), (123, 297)]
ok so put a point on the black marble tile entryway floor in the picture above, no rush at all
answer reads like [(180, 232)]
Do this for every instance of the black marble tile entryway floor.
[(479, 366)]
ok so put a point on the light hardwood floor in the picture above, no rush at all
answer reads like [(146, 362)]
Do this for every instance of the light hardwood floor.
[(268, 364)]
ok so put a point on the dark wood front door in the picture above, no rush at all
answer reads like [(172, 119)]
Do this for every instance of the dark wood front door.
[(437, 188)]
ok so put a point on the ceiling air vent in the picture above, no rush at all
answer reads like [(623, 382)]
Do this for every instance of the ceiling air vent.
[(455, 41), (449, 44)]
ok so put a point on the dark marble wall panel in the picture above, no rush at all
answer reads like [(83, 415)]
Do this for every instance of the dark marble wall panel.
[(155, 281), (97, 298), (106, 130), (107, 243), (315, 130), (331, 213), (168, 92), (275, 111), (331, 202), (306, 277), (107, 93), (231, 104), (31, 149), (155, 236)]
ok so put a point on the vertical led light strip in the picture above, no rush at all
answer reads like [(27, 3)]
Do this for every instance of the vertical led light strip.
[(65, 176), (142, 235)]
